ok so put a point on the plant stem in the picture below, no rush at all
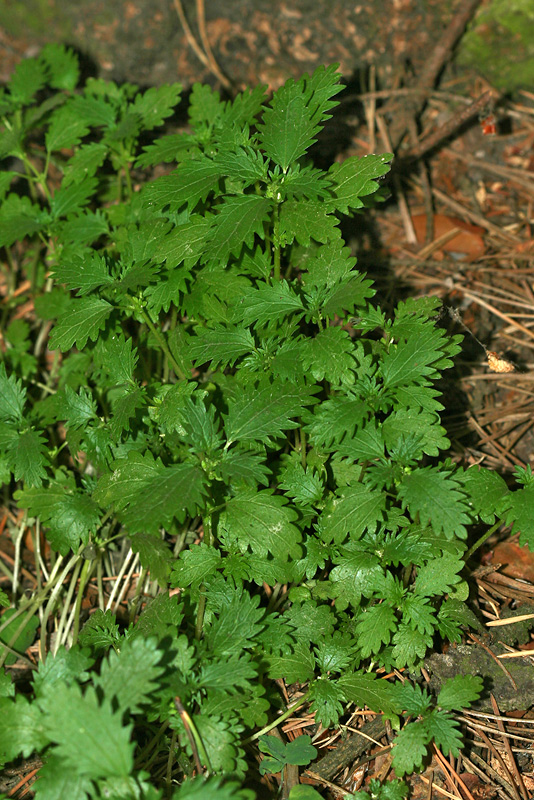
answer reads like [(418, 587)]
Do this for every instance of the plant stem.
[(276, 247), (483, 538), (87, 568), (275, 723), (162, 343)]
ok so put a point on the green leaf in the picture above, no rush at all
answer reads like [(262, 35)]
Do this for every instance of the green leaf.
[(438, 576), (221, 345), (55, 780), (304, 220), (84, 274), (19, 218), (84, 320), (237, 627), (68, 513), (262, 305), (517, 507), (156, 104), (100, 632), (238, 220), (268, 413), (329, 356), (154, 555), (444, 731), (90, 736), (295, 115), (70, 199), (353, 511), (434, 496), (65, 666), (195, 565), (415, 359), (410, 747), (261, 523), (185, 186), (356, 177), (67, 128), (28, 456), (486, 490), (132, 675), (410, 646), (12, 397), (173, 491), (459, 692), (28, 77), (375, 627), (366, 690), (62, 66), (25, 636), (84, 163), (21, 731), (298, 665)]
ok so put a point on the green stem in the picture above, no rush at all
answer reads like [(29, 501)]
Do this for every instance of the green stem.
[(276, 247), (483, 538), (201, 609), (84, 577), (162, 343), (275, 723)]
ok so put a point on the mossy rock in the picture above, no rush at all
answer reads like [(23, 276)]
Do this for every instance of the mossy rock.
[(500, 44)]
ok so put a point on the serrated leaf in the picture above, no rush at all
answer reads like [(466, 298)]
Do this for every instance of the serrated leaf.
[(353, 511), (410, 646), (28, 456), (261, 523), (329, 356), (62, 64), (238, 221), (156, 104), (417, 358), (295, 115), (238, 625), (298, 665), (21, 731), (19, 218), (303, 220), (517, 508), (439, 575), (366, 690), (132, 675), (12, 397), (67, 128), (221, 345), (262, 305), (356, 177), (70, 199), (459, 692), (154, 555), (375, 627), (185, 186), (165, 149), (434, 496), (409, 748), (90, 737), (84, 163), (28, 77), (193, 566), (68, 514), (271, 410), (486, 490), (84, 274), (84, 320), (173, 491)]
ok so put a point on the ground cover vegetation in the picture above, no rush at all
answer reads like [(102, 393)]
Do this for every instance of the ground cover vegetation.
[(207, 381)]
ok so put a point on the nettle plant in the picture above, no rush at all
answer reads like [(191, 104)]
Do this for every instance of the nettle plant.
[(207, 381)]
